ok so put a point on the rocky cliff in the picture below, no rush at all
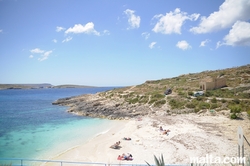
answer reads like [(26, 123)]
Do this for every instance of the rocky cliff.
[(95, 105)]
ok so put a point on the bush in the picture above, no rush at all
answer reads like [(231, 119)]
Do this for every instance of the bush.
[(214, 105), (152, 101), (223, 101), (176, 104), (159, 103), (190, 105), (133, 101), (233, 116), (190, 93), (236, 101), (214, 100), (200, 98), (235, 109), (158, 96), (208, 93), (143, 99), (204, 105), (181, 93)]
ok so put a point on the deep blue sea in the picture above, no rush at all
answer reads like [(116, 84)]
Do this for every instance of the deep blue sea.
[(31, 127)]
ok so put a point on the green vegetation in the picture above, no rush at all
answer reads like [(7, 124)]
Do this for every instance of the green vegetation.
[(158, 162), (235, 94)]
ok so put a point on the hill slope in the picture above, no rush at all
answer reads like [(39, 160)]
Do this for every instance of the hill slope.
[(148, 98)]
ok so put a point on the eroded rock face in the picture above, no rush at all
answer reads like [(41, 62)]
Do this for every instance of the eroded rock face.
[(94, 105)]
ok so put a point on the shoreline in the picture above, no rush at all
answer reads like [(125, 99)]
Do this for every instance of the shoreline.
[(68, 152), (190, 136)]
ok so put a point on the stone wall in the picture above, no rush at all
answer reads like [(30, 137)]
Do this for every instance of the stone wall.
[(213, 84)]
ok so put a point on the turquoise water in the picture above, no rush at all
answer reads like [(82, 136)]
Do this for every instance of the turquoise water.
[(31, 127)]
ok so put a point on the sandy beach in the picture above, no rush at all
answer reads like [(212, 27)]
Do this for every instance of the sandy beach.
[(190, 135)]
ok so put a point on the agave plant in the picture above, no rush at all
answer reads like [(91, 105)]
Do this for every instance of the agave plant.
[(158, 162)]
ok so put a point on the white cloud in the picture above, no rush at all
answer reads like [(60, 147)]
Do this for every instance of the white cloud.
[(106, 32), (133, 20), (54, 40), (145, 35), (87, 29), (183, 45), (67, 39), (172, 21), (1, 30), (45, 55), (59, 29), (151, 45), (239, 35), (37, 51), (229, 12), (203, 43)]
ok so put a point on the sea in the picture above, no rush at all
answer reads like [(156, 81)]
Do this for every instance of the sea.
[(32, 128)]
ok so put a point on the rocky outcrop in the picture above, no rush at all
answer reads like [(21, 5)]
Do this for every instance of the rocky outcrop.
[(94, 105)]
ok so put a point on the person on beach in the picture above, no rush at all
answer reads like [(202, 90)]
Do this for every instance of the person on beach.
[(165, 132), (127, 138), (116, 145), (161, 129), (125, 157)]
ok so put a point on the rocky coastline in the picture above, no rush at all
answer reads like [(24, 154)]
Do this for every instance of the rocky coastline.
[(95, 105), (149, 98)]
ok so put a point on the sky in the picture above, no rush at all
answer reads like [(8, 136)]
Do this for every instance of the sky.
[(119, 42)]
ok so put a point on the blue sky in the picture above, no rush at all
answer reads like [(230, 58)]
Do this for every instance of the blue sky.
[(119, 43)]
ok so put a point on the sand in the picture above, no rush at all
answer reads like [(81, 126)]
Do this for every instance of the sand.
[(190, 135)]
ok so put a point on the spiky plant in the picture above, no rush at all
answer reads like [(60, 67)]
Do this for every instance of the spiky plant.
[(158, 162)]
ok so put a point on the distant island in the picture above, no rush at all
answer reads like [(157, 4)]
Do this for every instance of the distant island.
[(40, 86)]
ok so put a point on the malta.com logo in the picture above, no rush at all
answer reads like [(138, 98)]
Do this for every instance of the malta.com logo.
[(210, 159)]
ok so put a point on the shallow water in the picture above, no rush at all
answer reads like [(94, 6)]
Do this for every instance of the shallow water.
[(31, 127)]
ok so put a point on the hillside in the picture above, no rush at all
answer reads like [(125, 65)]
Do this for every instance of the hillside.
[(149, 98)]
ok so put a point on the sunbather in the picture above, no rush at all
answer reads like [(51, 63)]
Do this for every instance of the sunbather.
[(165, 131), (127, 138), (125, 157), (116, 145)]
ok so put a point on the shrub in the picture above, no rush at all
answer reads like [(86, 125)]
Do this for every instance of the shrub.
[(190, 105), (214, 100), (176, 104), (199, 98), (181, 93), (235, 109), (152, 101), (204, 105), (208, 93), (159, 103), (190, 93), (133, 101), (236, 101), (143, 99), (158, 96), (233, 116), (158, 162), (214, 105), (223, 101)]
